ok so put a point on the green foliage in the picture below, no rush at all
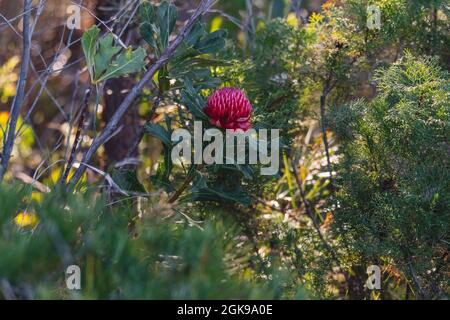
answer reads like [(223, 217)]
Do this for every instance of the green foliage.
[(272, 78), (194, 101), (196, 57), (89, 41), (161, 178), (190, 62), (128, 181), (393, 202), (191, 71), (158, 23), (105, 62), (419, 25), (152, 258), (219, 191)]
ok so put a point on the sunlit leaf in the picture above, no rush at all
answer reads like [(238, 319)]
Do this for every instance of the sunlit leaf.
[(127, 62)]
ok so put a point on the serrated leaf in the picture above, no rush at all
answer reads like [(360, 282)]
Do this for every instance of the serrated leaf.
[(88, 42), (127, 62), (99, 62), (105, 54)]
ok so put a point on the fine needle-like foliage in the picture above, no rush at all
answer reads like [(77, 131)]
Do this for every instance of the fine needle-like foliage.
[(392, 207)]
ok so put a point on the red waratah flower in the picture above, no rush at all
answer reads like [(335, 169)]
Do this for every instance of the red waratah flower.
[(229, 108)]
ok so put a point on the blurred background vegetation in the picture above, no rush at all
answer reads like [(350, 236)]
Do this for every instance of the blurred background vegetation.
[(364, 179)]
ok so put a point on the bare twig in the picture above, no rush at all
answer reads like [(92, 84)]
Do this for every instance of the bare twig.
[(136, 90), (76, 142), (18, 99)]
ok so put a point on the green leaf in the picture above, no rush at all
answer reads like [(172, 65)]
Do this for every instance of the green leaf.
[(157, 26), (212, 42), (278, 9), (148, 32), (197, 31), (166, 16), (159, 132), (201, 191), (105, 54), (193, 100), (127, 180), (161, 179), (163, 79), (127, 62), (245, 169), (88, 42), (100, 62), (146, 12)]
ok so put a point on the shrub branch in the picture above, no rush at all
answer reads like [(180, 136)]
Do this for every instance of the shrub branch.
[(136, 90)]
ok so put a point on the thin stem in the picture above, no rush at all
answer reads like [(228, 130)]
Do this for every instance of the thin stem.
[(18, 99), (76, 142), (142, 128)]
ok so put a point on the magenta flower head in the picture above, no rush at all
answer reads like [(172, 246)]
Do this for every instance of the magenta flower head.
[(229, 108)]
